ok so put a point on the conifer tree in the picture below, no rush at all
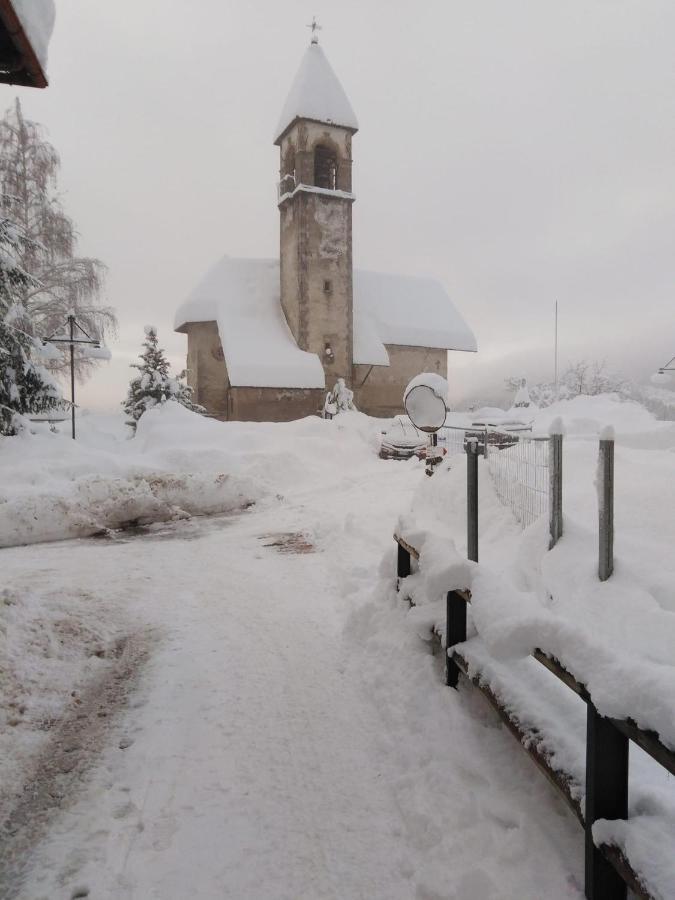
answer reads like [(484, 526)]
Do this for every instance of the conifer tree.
[(154, 385), (64, 282), (25, 386)]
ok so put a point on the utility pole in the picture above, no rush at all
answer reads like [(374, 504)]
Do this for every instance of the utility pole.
[(555, 351), (70, 340)]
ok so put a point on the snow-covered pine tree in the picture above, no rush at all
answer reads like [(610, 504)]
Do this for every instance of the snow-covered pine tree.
[(64, 282), (25, 386), (154, 385)]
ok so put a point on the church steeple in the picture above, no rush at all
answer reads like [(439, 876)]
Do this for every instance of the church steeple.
[(316, 94), (314, 136)]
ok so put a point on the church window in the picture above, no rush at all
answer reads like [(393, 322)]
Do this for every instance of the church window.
[(325, 167), (327, 286)]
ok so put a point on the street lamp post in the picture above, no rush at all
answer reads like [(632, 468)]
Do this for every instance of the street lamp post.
[(660, 377), (71, 341)]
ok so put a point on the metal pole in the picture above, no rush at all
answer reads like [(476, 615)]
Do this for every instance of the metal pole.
[(472, 499), (431, 453), (71, 323), (606, 509), (556, 351), (455, 633), (402, 566), (555, 489), (606, 798)]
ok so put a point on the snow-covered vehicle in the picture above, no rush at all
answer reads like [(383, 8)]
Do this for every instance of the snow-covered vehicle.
[(402, 440)]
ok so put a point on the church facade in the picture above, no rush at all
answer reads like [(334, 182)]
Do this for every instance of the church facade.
[(268, 339)]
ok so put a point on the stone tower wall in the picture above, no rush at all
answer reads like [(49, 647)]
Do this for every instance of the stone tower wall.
[(316, 248)]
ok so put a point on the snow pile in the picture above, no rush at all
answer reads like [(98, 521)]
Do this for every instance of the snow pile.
[(439, 569), (179, 464), (586, 416)]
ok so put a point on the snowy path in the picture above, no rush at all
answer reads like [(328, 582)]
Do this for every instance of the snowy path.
[(266, 755)]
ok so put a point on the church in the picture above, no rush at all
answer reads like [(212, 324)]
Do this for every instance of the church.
[(268, 338)]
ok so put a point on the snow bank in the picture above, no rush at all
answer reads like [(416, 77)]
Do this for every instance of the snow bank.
[(586, 417), (440, 568), (179, 464)]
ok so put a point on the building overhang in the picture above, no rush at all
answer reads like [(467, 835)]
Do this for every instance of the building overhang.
[(19, 60)]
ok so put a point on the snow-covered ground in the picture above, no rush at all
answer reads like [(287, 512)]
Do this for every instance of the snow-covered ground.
[(287, 733)]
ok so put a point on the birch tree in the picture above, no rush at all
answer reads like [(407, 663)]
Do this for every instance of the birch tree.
[(25, 387), (63, 282)]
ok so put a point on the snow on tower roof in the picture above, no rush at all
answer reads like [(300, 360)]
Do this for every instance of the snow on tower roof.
[(242, 297), (316, 94)]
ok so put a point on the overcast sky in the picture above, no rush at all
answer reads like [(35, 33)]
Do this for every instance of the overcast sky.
[(519, 151)]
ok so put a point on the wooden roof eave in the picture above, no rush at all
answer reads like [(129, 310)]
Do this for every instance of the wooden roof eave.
[(26, 69)]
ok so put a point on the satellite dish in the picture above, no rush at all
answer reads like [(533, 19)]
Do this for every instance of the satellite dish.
[(425, 408)]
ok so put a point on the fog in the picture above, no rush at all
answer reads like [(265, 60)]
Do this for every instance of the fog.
[(521, 152)]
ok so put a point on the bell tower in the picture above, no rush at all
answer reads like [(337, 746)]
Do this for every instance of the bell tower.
[(315, 199)]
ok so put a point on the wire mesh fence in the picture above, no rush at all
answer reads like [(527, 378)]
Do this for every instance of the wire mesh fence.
[(521, 476), (452, 439)]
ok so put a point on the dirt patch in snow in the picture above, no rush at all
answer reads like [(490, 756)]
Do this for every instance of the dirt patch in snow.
[(73, 745), (289, 542)]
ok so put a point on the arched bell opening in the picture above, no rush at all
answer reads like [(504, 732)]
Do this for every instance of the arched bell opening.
[(325, 167)]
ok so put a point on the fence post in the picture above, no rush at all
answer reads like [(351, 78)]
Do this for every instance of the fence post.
[(402, 565), (555, 464), (606, 504), (472, 499), (455, 633), (606, 798)]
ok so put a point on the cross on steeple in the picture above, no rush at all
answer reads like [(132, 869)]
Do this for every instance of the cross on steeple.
[(315, 27)]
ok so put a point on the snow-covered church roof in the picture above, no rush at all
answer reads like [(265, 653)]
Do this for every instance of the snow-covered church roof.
[(316, 94), (242, 297)]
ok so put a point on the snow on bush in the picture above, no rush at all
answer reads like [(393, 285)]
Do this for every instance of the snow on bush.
[(25, 386), (153, 385)]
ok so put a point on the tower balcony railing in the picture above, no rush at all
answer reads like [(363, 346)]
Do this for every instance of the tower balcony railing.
[(288, 186)]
